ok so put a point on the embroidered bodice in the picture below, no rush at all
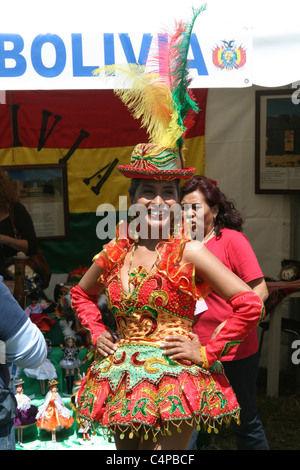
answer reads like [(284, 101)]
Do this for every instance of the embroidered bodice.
[(161, 302)]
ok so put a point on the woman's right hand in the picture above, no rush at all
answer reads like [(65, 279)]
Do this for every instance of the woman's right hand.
[(106, 343)]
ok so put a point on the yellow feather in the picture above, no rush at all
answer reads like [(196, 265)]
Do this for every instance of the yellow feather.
[(149, 98)]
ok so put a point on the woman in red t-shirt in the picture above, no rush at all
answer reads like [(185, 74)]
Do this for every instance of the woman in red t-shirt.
[(223, 237)]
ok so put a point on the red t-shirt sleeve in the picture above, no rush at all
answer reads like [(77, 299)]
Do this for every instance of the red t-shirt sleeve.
[(242, 259)]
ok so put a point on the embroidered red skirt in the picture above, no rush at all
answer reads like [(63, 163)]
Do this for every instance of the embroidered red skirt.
[(140, 388)]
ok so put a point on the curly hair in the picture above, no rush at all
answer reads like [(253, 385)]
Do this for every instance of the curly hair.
[(228, 216), (8, 192)]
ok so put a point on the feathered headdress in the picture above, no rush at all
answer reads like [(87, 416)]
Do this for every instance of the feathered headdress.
[(67, 329), (160, 98)]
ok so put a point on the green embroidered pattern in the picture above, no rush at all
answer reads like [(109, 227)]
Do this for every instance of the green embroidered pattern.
[(228, 346), (140, 361)]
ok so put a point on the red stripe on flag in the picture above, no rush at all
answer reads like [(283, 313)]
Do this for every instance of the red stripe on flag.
[(57, 118)]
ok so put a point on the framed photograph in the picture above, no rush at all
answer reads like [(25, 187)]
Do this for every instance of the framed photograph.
[(277, 142), (44, 192)]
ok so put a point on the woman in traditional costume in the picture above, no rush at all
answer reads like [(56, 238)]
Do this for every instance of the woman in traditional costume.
[(139, 390)]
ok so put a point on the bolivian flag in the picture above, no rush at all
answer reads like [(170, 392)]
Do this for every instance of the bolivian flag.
[(89, 132)]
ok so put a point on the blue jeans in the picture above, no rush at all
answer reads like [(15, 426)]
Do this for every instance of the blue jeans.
[(7, 436), (242, 375)]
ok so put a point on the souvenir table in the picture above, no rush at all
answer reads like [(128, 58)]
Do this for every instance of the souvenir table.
[(34, 438)]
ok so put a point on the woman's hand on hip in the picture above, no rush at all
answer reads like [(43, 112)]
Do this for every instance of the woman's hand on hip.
[(179, 347), (106, 343)]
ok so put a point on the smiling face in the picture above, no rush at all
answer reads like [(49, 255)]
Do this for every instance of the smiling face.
[(156, 199)]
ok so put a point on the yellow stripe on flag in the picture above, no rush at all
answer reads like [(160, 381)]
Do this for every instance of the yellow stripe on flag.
[(92, 174)]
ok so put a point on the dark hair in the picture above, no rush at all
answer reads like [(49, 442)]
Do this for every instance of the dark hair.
[(8, 191), (133, 186), (228, 216), (136, 181)]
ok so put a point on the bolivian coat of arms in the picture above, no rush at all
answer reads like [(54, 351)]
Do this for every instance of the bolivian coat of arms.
[(228, 56)]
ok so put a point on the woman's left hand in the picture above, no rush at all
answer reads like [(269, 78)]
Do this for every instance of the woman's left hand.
[(106, 343), (178, 347)]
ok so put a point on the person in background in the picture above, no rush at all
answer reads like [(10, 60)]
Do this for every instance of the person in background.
[(12, 211), (23, 344), (223, 237)]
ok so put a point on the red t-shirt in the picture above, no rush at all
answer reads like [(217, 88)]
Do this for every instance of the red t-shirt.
[(236, 253)]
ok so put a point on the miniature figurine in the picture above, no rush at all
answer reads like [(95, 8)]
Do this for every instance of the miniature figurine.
[(35, 311), (84, 429), (70, 362), (25, 412), (53, 415)]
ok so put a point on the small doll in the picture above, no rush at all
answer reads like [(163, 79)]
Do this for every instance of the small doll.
[(46, 371), (84, 429), (53, 415), (70, 362), (25, 412), (35, 311), (84, 426)]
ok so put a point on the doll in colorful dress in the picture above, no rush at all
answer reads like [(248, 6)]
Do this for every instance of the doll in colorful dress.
[(35, 310), (138, 387), (70, 361), (53, 415), (25, 412)]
